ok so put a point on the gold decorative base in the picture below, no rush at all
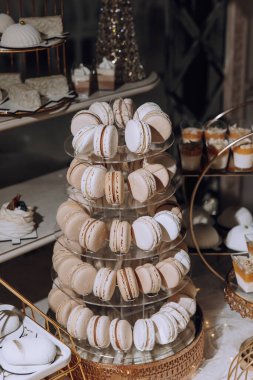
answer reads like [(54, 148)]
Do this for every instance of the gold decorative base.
[(235, 299), (177, 367)]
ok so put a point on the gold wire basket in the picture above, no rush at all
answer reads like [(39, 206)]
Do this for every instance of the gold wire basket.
[(238, 110), (74, 370), (241, 367)]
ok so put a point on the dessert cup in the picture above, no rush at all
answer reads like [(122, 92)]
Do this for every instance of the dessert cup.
[(213, 148), (217, 131), (236, 131), (249, 241), (191, 131), (243, 155), (191, 154), (106, 75), (81, 80), (243, 267)]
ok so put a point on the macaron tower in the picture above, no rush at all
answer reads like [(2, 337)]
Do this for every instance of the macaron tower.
[(120, 267)]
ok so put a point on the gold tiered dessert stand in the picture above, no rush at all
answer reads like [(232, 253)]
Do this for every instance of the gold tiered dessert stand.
[(75, 369), (178, 360), (55, 58), (238, 300)]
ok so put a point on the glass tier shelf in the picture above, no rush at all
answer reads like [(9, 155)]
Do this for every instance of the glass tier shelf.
[(117, 301), (134, 356), (134, 254), (129, 203), (123, 154)]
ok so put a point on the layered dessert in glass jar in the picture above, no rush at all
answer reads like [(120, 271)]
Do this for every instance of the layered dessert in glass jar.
[(216, 131), (243, 267), (191, 154), (191, 131), (106, 75), (213, 148), (81, 80), (243, 155)]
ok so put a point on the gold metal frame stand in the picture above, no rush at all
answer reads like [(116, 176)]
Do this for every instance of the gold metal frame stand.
[(74, 370)]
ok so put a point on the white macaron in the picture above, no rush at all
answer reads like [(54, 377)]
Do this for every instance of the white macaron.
[(144, 334), (147, 233), (83, 140), (169, 223), (166, 328), (93, 182), (138, 136), (105, 283), (104, 111)]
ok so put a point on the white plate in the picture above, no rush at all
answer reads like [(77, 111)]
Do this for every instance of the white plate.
[(39, 372)]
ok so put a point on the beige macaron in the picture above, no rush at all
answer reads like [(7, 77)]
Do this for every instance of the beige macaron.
[(123, 111), (63, 311), (55, 298), (78, 321), (82, 279), (171, 272), (114, 187), (160, 173), (142, 184), (120, 236), (121, 335), (148, 278), (127, 283), (93, 234), (98, 331), (66, 268), (75, 172), (65, 210)]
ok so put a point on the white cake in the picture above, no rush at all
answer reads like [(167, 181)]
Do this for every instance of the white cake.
[(22, 95), (20, 36), (49, 26), (5, 21), (16, 219), (51, 86), (9, 79)]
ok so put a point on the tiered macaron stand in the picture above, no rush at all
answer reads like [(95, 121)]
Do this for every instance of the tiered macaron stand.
[(236, 298), (51, 51), (178, 359), (74, 369)]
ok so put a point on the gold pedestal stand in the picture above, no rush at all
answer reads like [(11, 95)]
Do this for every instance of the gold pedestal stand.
[(177, 367)]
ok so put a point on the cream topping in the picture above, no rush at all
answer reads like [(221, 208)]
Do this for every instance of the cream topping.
[(106, 64), (81, 73), (218, 143)]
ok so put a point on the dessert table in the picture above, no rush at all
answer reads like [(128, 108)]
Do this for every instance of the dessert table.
[(225, 330)]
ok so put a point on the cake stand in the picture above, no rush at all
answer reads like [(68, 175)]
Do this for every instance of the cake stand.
[(181, 358)]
